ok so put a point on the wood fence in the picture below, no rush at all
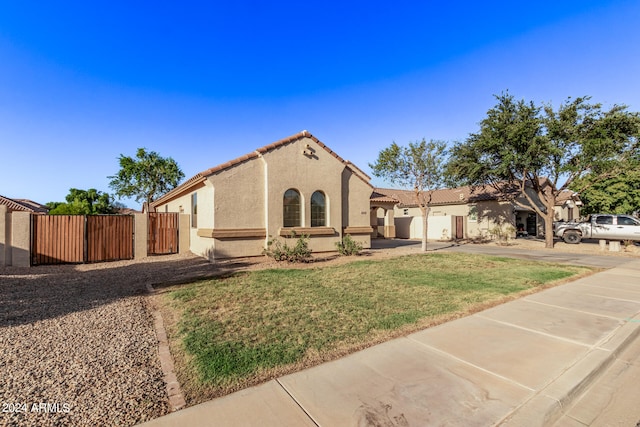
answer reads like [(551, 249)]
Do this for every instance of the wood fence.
[(62, 239), (57, 239), (163, 233), (109, 237)]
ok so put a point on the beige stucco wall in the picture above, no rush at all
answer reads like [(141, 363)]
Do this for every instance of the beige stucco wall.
[(21, 239), (442, 222), (491, 213), (198, 245), (184, 234), (234, 248), (141, 242), (249, 196), (561, 213), (355, 199), (356, 205), (5, 236), (439, 227), (288, 167), (15, 238), (238, 198)]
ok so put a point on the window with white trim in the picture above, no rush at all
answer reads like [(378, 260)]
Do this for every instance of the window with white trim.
[(473, 213)]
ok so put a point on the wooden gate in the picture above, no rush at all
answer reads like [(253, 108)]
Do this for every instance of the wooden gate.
[(109, 237), (62, 239), (57, 239), (459, 227), (163, 233)]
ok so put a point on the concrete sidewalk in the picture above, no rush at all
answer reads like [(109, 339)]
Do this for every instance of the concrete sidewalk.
[(523, 363)]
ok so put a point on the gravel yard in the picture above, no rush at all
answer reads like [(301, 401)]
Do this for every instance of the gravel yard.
[(77, 342)]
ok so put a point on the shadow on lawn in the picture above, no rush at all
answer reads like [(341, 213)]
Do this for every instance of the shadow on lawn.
[(44, 292)]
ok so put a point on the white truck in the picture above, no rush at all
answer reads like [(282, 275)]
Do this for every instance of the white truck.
[(600, 226)]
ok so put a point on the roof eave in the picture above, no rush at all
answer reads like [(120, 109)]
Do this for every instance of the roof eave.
[(200, 177)]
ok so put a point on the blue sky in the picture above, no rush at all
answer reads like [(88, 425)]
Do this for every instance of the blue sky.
[(205, 82)]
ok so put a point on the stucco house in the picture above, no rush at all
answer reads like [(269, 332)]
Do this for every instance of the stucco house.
[(459, 213), (297, 184)]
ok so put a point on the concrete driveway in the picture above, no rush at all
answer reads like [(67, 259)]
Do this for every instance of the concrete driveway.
[(548, 255)]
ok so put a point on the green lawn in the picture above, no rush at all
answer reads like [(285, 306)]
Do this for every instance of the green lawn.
[(239, 330)]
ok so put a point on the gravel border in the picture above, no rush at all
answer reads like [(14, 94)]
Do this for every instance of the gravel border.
[(78, 344), (174, 391)]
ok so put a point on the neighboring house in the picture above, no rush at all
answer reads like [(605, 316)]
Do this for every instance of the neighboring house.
[(23, 205), (297, 184), (126, 211), (567, 206), (459, 213)]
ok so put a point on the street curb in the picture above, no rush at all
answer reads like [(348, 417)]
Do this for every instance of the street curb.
[(549, 404)]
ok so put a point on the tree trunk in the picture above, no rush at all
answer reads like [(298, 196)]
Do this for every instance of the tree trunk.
[(425, 225), (548, 199), (548, 228)]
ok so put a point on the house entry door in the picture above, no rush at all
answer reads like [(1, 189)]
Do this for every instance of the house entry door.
[(532, 224), (459, 227)]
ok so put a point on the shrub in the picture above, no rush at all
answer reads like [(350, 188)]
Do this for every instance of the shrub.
[(503, 235), (280, 251), (348, 246)]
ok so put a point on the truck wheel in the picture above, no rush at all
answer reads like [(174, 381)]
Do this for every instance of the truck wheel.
[(572, 237)]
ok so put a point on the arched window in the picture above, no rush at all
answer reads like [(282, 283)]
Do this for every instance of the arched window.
[(291, 208), (318, 210)]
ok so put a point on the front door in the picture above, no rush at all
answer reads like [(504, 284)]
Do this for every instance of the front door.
[(459, 227), (532, 224)]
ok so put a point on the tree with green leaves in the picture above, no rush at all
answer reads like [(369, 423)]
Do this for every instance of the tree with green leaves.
[(146, 177), (617, 193), (521, 146), (84, 202), (418, 166)]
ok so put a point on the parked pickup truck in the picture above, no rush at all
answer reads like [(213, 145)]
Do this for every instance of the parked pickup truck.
[(600, 226)]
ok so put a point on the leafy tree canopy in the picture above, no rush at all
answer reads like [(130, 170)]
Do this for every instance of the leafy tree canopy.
[(84, 202), (418, 166), (617, 192), (521, 145), (146, 177)]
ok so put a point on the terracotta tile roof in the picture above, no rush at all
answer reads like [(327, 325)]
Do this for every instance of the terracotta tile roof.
[(37, 207), (382, 198), (255, 154), (127, 211), (446, 196), (23, 205), (566, 195), (452, 196)]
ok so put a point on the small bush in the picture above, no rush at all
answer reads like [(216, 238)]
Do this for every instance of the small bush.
[(348, 246), (280, 251), (503, 235)]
